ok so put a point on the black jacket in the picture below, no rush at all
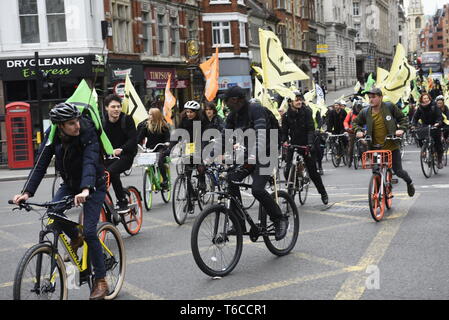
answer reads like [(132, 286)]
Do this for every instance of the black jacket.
[(78, 159), (216, 123), (122, 134), (335, 121), (429, 115), (298, 126), (153, 138)]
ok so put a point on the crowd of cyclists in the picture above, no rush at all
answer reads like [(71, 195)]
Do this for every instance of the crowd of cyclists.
[(81, 163)]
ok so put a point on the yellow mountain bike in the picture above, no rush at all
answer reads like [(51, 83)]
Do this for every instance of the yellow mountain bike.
[(42, 273)]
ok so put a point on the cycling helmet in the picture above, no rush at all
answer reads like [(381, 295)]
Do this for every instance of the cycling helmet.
[(64, 112), (440, 97), (192, 105)]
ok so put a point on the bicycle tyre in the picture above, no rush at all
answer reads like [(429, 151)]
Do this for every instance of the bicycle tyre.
[(435, 163), (203, 240), (304, 189), (148, 189), (426, 162), (44, 249), (376, 201), (132, 220), (166, 194), (335, 160), (115, 283), (388, 187), (285, 245), (445, 156), (179, 204)]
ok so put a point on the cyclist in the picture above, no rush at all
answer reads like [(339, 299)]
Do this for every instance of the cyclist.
[(211, 119), (430, 114), (298, 127), (190, 117), (156, 131), (445, 113), (357, 106), (382, 119), (335, 120), (245, 115), (78, 159), (121, 131)]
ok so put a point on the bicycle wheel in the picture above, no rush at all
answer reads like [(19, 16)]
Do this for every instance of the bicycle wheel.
[(166, 193), (304, 183), (180, 199), (290, 210), (388, 187), (435, 161), (426, 161), (53, 286), (114, 258), (248, 199), (376, 200), (445, 155), (215, 250), (132, 220), (148, 188), (335, 156), (205, 197)]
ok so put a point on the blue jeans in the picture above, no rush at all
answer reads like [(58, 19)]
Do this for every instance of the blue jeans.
[(92, 208)]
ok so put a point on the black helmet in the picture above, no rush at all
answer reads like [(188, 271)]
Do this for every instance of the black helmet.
[(64, 112)]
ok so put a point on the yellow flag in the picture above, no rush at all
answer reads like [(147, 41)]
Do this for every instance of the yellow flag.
[(276, 65), (169, 102), (382, 76), (401, 74), (132, 104), (357, 87), (284, 91)]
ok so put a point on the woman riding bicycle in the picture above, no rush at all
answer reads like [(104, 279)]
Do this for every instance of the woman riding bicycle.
[(156, 131), (78, 160)]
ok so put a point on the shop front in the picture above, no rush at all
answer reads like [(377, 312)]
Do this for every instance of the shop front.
[(58, 78), (117, 72)]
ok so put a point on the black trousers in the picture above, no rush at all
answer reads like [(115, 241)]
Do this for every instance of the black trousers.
[(115, 167), (397, 166), (310, 163), (257, 190)]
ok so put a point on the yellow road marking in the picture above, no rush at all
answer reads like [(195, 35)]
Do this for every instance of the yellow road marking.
[(139, 293), (354, 287)]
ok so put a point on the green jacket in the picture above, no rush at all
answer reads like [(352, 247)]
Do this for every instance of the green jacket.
[(393, 117)]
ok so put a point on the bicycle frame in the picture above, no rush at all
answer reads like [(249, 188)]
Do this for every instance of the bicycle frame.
[(297, 161)]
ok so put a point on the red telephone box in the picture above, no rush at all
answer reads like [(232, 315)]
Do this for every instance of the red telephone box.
[(19, 136)]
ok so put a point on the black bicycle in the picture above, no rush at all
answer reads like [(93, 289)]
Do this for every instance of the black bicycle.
[(298, 179), (338, 150), (217, 235), (428, 156), (42, 273)]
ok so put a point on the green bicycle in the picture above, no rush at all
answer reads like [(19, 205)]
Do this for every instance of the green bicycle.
[(152, 178)]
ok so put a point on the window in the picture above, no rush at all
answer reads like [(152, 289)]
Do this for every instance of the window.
[(121, 25), (356, 8), (56, 21), (418, 23), (162, 33), (221, 33), (288, 5), (174, 36), (147, 32), (281, 4), (242, 27), (29, 21), (192, 29)]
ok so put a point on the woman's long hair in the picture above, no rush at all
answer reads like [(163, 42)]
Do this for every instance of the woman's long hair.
[(157, 124)]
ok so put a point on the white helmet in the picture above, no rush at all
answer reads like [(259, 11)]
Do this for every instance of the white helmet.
[(192, 105)]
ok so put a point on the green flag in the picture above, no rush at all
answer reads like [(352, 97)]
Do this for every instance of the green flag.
[(369, 83), (415, 92), (86, 98), (220, 109)]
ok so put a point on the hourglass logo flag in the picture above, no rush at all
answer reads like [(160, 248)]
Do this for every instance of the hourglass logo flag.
[(211, 71), (132, 104), (169, 102)]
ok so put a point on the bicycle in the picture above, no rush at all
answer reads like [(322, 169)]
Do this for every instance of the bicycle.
[(217, 236), (152, 177), (380, 189), (298, 178), (337, 149), (132, 219), (42, 273), (428, 154), (357, 153), (445, 145)]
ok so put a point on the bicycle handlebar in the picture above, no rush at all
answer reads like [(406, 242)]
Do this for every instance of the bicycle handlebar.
[(67, 201), (151, 150)]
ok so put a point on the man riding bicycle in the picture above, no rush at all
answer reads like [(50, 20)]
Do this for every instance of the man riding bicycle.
[(121, 131), (78, 159), (384, 119), (245, 115), (357, 106), (298, 127)]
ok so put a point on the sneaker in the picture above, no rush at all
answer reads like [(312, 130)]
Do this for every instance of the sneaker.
[(440, 165), (325, 198), (410, 189), (164, 185), (122, 206), (281, 227)]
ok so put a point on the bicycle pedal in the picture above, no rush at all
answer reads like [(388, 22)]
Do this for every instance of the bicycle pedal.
[(394, 181)]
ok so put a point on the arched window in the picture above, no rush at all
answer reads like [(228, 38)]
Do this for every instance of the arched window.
[(418, 23)]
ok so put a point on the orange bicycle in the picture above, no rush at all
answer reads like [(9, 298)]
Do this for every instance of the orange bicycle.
[(380, 190)]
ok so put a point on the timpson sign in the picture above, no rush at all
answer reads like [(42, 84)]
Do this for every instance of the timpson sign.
[(72, 66)]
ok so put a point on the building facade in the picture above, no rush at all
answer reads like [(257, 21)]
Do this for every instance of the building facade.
[(415, 22)]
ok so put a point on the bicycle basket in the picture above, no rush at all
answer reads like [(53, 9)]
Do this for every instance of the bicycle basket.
[(422, 133), (145, 159), (382, 158)]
